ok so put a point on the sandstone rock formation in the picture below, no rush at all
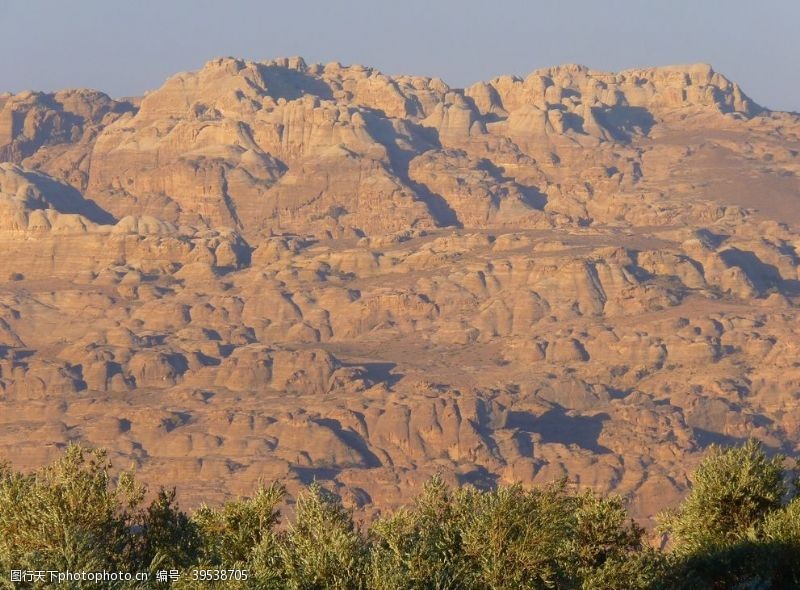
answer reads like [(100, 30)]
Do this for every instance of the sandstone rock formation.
[(288, 271)]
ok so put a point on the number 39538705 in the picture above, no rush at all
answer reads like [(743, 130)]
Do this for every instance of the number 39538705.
[(208, 575)]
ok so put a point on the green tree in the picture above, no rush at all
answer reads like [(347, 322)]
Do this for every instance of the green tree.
[(720, 534), (608, 547), (231, 533), (169, 538), (420, 547), (240, 535), (70, 515), (509, 538), (515, 538), (732, 492), (322, 547), (739, 528)]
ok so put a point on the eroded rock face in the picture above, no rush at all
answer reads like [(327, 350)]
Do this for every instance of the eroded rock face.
[(293, 271)]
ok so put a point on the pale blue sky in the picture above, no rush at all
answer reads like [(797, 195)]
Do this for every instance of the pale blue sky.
[(125, 48)]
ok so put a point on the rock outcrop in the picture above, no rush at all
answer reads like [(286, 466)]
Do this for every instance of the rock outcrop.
[(298, 271)]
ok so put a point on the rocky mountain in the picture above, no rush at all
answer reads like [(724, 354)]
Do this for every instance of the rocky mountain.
[(287, 271)]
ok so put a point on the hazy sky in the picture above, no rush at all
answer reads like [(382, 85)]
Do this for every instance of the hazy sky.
[(125, 48)]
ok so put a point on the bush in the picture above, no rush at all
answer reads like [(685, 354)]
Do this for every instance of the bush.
[(739, 527), (240, 535), (69, 516), (507, 538), (322, 548), (733, 529), (420, 547), (733, 491), (170, 539)]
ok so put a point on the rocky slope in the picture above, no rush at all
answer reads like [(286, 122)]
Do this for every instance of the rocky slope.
[(288, 271)]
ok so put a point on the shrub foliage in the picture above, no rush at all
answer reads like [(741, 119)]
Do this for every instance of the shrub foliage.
[(739, 527)]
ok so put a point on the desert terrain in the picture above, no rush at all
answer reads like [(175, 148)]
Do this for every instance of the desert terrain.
[(296, 272)]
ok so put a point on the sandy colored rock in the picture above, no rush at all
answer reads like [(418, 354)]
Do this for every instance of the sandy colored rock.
[(293, 271)]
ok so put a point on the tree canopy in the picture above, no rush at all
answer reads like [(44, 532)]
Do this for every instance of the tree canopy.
[(739, 527)]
